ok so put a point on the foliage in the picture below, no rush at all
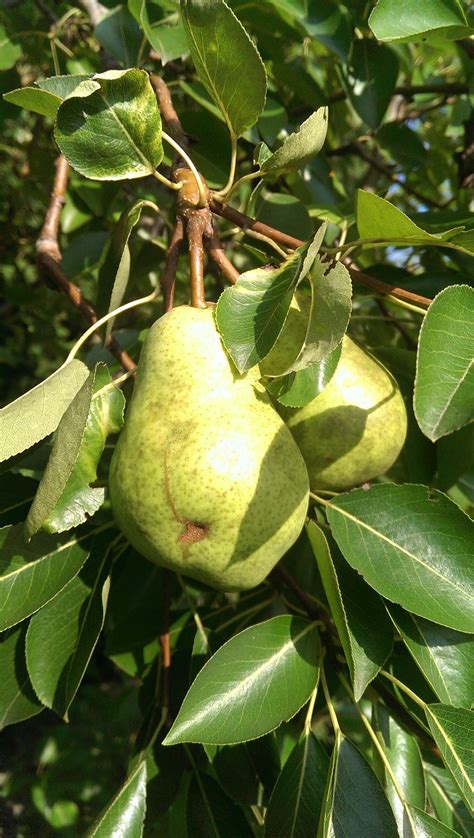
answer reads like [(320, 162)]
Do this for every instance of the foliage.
[(334, 699)]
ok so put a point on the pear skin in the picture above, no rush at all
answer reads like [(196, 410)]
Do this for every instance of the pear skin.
[(206, 479), (355, 429)]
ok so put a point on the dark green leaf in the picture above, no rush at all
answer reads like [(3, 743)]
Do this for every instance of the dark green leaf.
[(453, 732), (295, 804), (444, 385), (114, 271), (226, 61), (254, 682), (413, 545), (356, 609), (62, 635), (355, 806), (404, 757), (211, 814), (37, 413), (170, 42), (120, 36), (125, 814), (370, 79), (299, 147), (444, 656), (17, 698), (32, 574), (115, 132), (413, 22), (330, 23), (65, 497)]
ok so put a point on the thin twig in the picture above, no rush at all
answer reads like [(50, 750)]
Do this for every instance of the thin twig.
[(49, 257), (168, 113), (244, 221), (218, 256), (409, 90), (171, 263)]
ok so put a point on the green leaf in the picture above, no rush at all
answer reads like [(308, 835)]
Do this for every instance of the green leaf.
[(425, 20), (37, 413), (378, 219), (448, 808), (65, 497), (453, 732), (115, 132), (413, 545), (125, 814), (62, 635), (330, 23), (133, 612), (355, 806), (428, 827), (356, 609), (34, 99), (404, 758), (9, 51), (226, 60), (170, 42), (114, 271), (17, 698), (16, 494), (443, 655), (120, 35), (254, 682), (295, 804), (209, 812), (299, 147), (444, 384), (32, 574), (298, 388), (370, 79), (251, 314), (331, 302), (46, 95)]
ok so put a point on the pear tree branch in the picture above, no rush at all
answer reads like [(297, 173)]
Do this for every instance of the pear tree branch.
[(246, 222), (48, 256), (218, 256), (168, 278)]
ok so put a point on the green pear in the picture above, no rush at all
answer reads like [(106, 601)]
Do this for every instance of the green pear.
[(355, 429), (291, 338), (205, 479)]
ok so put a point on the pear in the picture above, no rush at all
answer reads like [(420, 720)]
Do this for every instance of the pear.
[(355, 429), (205, 479)]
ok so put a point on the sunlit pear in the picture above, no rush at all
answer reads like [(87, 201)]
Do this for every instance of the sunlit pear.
[(355, 429), (206, 479)]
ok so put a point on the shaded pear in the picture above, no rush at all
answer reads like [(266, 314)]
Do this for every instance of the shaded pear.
[(205, 479), (355, 429), (291, 338)]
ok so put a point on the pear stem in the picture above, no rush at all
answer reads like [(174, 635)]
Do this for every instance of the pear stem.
[(195, 230)]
